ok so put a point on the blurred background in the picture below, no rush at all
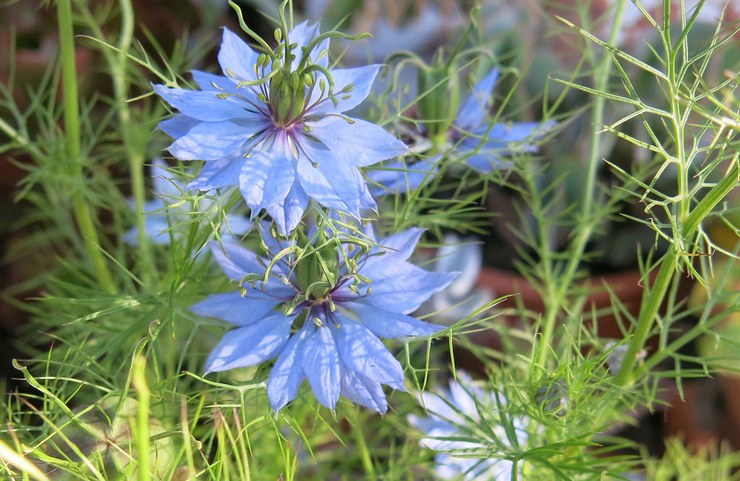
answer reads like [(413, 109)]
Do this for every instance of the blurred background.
[(523, 36)]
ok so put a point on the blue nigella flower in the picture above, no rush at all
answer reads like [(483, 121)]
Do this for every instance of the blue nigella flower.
[(274, 125), (485, 146), (462, 418), (472, 137), (168, 206), (330, 335)]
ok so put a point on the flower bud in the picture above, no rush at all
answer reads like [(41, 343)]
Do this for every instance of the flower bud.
[(308, 80)]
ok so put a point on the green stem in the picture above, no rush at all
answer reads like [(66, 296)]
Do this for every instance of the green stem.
[(687, 220), (554, 298), (597, 113), (678, 122), (21, 139), (654, 297), (564, 282), (142, 440), (82, 212), (367, 461), (134, 152)]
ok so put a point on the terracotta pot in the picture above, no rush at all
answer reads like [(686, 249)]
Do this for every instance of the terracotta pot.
[(695, 418), (626, 286), (31, 64), (729, 384)]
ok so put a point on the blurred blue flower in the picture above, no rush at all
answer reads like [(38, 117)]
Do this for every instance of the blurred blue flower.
[(483, 145), (461, 419), (328, 336), (401, 176), (168, 206), (426, 28), (462, 297), (275, 126)]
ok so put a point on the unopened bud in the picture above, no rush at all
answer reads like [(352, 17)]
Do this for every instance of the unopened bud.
[(278, 34), (308, 79), (295, 81)]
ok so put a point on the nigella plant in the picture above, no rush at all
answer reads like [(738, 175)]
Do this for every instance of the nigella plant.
[(321, 310), (274, 124), (471, 430)]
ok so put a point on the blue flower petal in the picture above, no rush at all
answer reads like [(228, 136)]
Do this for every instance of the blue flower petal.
[(236, 261), (492, 145), (402, 285), (213, 140), (474, 110), (236, 225), (178, 125), (218, 173), (400, 246), (287, 373), (361, 143), (361, 351), (332, 182), (250, 345), (514, 132), (398, 177), (205, 105), (383, 323), (237, 60), (235, 309), (364, 391), (209, 81), (321, 365), (485, 164), (361, 78), (277, 244), (301, 35), (288, 213), (265, 179), (158, 229)]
